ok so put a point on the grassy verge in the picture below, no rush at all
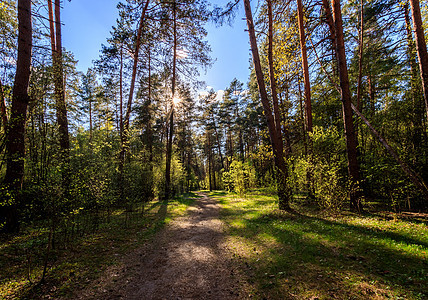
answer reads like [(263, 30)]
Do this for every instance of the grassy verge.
[(315, 255), (85, 259)]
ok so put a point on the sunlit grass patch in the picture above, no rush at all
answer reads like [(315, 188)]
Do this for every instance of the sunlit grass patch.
[(312, 254)]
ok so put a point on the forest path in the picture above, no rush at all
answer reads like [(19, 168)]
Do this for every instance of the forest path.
[(188, 259)]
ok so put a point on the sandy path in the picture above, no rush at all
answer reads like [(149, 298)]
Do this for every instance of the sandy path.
[(188, 259)]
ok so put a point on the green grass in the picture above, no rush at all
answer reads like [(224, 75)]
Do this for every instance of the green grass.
[(85, 259), (317, 255)]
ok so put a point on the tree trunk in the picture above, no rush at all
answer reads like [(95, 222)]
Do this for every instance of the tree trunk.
[(121, 94), (416, 96), (3, 107), (134, 71), (360, 55), (125, 130), (305, 67), (272, 72), (171, 121), (421, 48), (15, 143), (284, 191), (209, 161), (351, 139), (58, 77), (149, 121), (61, 112), (417, 181), (219, 146), (90, 121)]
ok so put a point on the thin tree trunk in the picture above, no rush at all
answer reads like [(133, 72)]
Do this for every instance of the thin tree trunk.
[(305, 67), (308, 103), (284, 191), (351, 139), (219, 145), (360, 55), (417, 181), (149, 125), (171, 121), (134, 69), (121, 94), (209, 161), (421, 48), (59, 86), (15, 143), (125, 131), (416, 97), (90, 121), (58, 77), (3, 107), (276, 113), (330, 22), (302, 116)]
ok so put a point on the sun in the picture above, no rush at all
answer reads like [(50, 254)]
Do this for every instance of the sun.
[(176, 100)]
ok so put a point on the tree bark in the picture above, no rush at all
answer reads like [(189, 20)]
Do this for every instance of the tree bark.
[(171, 121), (360, 55), (415, 92), (351, 139), (284, 191), (134, 69), (125, 120), (305, 67), (421, 48), (276, 113), (58, 78), (61, 111), (15, 143), (4, 117), (218, 145)]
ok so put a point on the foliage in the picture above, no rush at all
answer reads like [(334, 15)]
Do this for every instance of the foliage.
[(240, 177)]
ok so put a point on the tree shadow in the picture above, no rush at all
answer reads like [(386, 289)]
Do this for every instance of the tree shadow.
[(297, 254)]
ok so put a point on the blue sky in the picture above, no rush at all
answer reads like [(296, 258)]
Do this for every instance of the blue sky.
[(87, 25)]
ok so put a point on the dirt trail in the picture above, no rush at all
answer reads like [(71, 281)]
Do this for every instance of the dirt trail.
[(188, 259)]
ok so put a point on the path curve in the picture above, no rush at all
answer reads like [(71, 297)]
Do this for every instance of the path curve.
[(188, 259)]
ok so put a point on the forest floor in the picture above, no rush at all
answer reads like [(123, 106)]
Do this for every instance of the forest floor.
[(188, 259), (231, 247), (216, 245)]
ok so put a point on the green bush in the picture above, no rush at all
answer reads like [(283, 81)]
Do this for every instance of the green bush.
[(240, 177)]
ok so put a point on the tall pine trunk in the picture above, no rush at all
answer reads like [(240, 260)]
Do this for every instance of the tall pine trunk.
[(58, 78), (415, 92), (360, 55), (15, 144), (421, 48), (305, 67), (351, 138), (3, 107), (284, 191), (125, 122), (171, 121)]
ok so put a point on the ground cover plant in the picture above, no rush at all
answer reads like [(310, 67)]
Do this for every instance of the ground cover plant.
[(311, 254), (85, 259)]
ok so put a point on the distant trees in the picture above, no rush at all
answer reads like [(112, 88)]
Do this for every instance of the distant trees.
[(366, 73)]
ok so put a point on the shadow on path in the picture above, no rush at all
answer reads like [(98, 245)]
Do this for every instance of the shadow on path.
[(186, 260)]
